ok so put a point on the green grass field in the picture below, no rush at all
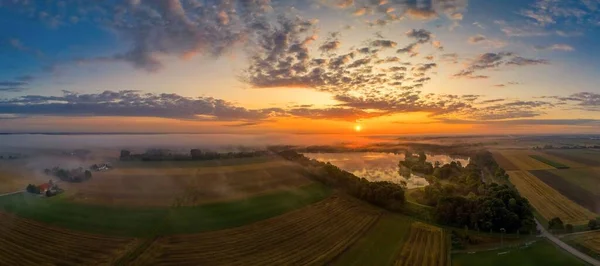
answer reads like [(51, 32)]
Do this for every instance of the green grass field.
[(380, 245), (539, 253), (549, 162), (147, 222)]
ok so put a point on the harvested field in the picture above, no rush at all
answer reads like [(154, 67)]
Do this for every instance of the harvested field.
[(186, 186), (426, 245), (587, 157), (313, 235), (11, 181), (506, 164), (523, 161), (588, 243), (380, 245), (575, 193), (549, 162), (586, 178), (24, 242), (547, 201)]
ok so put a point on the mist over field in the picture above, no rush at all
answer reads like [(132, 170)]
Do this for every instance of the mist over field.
[(144, 141)]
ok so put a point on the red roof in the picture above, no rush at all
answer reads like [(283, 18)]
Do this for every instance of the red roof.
[(45, 186)]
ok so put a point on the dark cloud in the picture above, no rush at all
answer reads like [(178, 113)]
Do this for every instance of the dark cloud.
[(520, 61), (481, 39), (555, 47), (558, 122), (384, 43), (12, 83), (284, 59), (330, 46), (410, 49), (494, 61), (421, 35), (154, 28), (17, 85), (131, 103), (589, 101), (25, 78), (492, 101)]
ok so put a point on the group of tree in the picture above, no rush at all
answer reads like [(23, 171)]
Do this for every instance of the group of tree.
[(33, 189), (384, 194), (417, 163), (462, 199), (556, 224), (194, 155), (76, 175), (594, 224), (565, 147)]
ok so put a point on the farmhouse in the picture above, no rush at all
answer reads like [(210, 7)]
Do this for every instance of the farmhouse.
[(44, 187)]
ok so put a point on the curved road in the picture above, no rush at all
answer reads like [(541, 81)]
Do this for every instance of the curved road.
[(566, 247)]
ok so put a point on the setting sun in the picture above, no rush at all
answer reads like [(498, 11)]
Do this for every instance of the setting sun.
[(357, 128)]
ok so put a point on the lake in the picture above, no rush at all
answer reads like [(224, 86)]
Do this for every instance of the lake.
[(378, 166)]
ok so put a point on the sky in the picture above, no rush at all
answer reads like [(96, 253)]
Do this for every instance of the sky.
[(292, 66)]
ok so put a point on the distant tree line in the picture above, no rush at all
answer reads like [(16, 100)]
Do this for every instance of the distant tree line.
[(462, 199), (76, 175), (194, 155), (384, 194), (565, 147)]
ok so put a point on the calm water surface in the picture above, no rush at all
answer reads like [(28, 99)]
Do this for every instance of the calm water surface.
[(378, 166)]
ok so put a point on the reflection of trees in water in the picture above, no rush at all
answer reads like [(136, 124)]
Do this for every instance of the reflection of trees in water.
[(378, 166)]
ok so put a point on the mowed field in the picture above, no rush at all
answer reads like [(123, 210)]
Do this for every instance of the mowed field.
[(539, 253), (588, 242), (586, 178), (25, 242), (12, 180), (313, 235), (583, 197), (186, 183), (547, 201), (426, 245), (519, 160), (587, 157), (380, 245)]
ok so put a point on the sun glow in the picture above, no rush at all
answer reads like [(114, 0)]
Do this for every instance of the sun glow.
[(357, 128)]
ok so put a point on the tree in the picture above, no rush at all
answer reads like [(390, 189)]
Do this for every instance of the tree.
[(422, 157), (407, 155), (125, 154), (593, 224), (88, 174), (196, 153), (569, 228), (33, 189), (556, 223)]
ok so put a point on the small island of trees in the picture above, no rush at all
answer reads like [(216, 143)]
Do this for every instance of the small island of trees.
[(76, 175)]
